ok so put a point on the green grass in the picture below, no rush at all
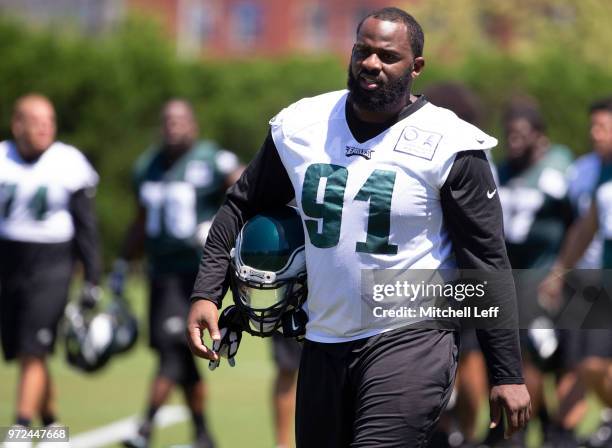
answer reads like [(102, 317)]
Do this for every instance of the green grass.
[(238, 398)]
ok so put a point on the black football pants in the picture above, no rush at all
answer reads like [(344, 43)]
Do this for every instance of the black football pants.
[(384, 391)]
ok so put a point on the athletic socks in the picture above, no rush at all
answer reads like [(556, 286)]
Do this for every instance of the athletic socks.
[(198, 423), (151, 414), (202, 437), (48, 419), (23, 421)]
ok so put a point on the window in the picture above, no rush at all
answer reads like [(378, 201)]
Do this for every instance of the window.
[(195, 25), (315, 23), (246, 24)]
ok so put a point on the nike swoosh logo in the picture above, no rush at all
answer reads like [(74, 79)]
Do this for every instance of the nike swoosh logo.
[(490, 194), (293, 326), (480, 141)]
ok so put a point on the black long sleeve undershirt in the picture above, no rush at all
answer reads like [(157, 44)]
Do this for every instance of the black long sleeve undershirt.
[(474, 223), (86, 234)]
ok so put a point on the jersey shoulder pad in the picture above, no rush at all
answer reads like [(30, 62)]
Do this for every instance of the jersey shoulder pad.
[(203, 149), (73, 161), (309, 111), (143, 164), (559, 157), (224, 161), (459, 134), (436, 135)]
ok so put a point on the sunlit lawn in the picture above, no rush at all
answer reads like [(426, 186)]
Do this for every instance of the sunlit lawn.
[(238, 405)]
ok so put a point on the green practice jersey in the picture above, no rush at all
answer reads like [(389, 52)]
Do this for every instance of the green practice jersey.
[(603, 198), (178, 198), (536, 209)]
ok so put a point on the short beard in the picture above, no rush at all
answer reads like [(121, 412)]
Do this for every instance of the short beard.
[(381, 99)]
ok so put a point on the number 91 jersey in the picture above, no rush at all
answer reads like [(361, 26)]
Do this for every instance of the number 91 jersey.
[(35, 197), (177, 199), (369, 205)]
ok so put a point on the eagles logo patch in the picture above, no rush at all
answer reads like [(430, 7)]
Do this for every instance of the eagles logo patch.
[(366, 153)]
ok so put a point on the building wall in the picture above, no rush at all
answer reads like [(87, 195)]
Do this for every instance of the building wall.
[(227, 28), (90, 16), (217, 28)]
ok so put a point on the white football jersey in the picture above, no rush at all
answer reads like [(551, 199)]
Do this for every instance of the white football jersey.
[(34, 197), (370, 205)]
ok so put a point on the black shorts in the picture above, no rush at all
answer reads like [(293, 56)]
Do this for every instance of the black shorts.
[(168, 310), (384, 391), (34, 281), (570, 351), (287, 352)]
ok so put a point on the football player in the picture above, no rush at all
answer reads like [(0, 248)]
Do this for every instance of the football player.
[(596, 363), (382, 179), (179, 185), (46, 217), (537, 213)]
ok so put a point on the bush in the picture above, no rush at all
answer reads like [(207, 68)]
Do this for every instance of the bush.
[(108, 93)]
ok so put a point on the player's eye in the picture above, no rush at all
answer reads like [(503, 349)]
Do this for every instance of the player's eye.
[(360, 52), (388, 58)]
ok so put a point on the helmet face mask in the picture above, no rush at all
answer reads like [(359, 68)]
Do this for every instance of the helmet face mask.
[(268, 274), (264, 305)]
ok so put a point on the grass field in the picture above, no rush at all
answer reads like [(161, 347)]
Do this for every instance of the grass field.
[(238, 406), (239, 398)]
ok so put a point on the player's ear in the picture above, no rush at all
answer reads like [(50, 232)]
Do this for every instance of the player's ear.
[(417, 66)]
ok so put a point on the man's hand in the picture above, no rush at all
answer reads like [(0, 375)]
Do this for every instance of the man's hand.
[(550, 291), (514, 400), (203, 315)]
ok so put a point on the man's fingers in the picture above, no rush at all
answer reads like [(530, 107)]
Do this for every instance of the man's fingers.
[(202, 315), (495, 414), (512, 422), (523, 419), (213, 329), (197, 346), (529, 411), (194, 338)]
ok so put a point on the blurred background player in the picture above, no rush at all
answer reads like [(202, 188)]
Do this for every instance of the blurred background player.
[(46, 218), (471, 386), (588, 236), (179, 184), (537, 213)]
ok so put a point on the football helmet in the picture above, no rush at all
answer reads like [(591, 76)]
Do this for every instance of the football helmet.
[(92, 337), (268, 269)]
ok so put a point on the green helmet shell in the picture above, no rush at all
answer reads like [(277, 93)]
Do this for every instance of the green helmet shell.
[(269, 268), (271, 245)]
